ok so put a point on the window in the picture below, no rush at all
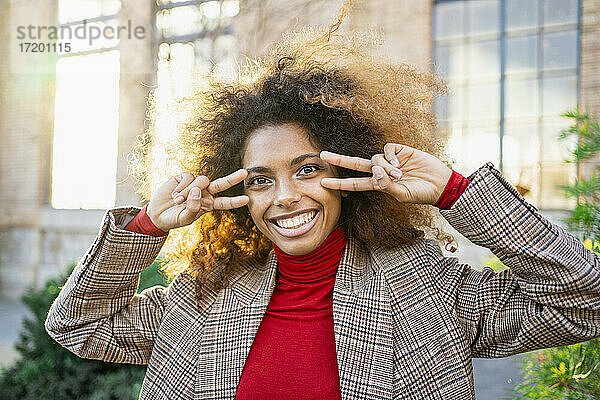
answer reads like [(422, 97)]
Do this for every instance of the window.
[(196, 38), (84, 161), (512, 66)]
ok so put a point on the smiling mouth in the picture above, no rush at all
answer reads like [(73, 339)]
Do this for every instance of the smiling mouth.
[(296, 221)]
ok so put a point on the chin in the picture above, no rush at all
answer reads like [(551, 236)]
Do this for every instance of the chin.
[(298, 250), (296, 247)]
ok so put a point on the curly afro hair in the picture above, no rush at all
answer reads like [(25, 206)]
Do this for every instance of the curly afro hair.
[(347, 101)]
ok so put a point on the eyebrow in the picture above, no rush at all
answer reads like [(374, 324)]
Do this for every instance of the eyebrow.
[(295, 161)]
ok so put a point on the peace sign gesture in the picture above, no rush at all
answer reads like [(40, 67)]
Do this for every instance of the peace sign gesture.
[(184, 198), (408, 174)]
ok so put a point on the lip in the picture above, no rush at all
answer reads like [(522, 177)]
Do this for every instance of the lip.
[(290, 215), (301, 230)]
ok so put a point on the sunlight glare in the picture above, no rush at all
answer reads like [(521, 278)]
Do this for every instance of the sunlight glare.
[(212, 9), (86, 131)]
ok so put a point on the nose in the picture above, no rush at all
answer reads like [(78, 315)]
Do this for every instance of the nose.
[(286, 194)]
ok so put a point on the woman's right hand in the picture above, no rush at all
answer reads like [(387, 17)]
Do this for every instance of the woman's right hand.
[(184, 198)]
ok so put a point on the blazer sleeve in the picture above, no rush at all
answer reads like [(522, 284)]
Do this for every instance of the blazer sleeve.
[(549, 295), (97, 313)]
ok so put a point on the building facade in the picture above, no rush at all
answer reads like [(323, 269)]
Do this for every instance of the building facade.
[(70, 119)]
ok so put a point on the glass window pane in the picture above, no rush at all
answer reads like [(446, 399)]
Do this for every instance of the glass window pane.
[(223, 56), (203, 49), (521, 14), (78, 10), (520, 153), (449, 108), (80, 43), (521, 144), (483, 102), (560, 11), (554, 149), (552, 175), (448, 17), (86, 87), (456, 103), (452, 132), (521, 54), (560, 50), (449, 60), (230, 8), (178, 21), (440, 108), (175, 71), (521, 98), (483, 16), (480, 144), (484, 59), (559, 94)]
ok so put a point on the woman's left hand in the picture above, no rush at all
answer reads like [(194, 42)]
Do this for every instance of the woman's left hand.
[(408, 174)]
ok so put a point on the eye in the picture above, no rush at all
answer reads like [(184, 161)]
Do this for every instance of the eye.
[(308, 169), (258, 180)]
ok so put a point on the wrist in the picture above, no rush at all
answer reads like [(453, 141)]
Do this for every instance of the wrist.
[(442, 189), (454, 188), (152, 219)]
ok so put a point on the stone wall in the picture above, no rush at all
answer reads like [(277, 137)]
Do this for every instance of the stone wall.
[(589, 74), (37, 241)]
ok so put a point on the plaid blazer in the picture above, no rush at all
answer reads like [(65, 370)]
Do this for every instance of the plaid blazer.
[(407, 321)]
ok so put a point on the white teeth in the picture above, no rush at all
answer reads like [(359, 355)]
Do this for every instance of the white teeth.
[(295, 222)]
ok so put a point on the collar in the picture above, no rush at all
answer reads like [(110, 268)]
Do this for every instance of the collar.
[(317, 266), (256, 281)]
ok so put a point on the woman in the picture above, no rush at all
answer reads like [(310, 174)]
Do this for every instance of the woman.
[(298, 250)]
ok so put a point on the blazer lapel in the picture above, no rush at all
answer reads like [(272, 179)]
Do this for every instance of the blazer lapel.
[(362, 328), (230, 330)]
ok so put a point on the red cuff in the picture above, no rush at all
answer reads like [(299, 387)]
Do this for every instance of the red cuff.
[(143, 224), (454, 188)]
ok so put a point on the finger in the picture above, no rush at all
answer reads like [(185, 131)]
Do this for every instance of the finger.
[(350, 184), (188, 215), (182, 180), (206, 203), (224, 183), (227, 203), (389, 150), (382, 179), (193, 204), (379, 159), (200, 183), (355, 163), (402, 152)]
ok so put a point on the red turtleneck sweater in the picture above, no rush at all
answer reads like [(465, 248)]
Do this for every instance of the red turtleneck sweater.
[(293, 354)]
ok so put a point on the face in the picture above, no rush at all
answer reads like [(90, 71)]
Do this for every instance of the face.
[(287, 202)]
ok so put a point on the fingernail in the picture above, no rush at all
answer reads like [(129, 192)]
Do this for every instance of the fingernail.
[(395, 162), (179, 199), (395, 174), (195, 193), (377, 173)]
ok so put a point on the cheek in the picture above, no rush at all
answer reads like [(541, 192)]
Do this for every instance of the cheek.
[(332, 201), (257, 208)]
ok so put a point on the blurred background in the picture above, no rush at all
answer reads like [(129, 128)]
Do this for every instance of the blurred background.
[(72, 108)]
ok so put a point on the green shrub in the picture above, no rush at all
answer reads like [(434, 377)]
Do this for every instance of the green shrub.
[(571, 372), (46, 370), (494, 263), (584, 220)]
